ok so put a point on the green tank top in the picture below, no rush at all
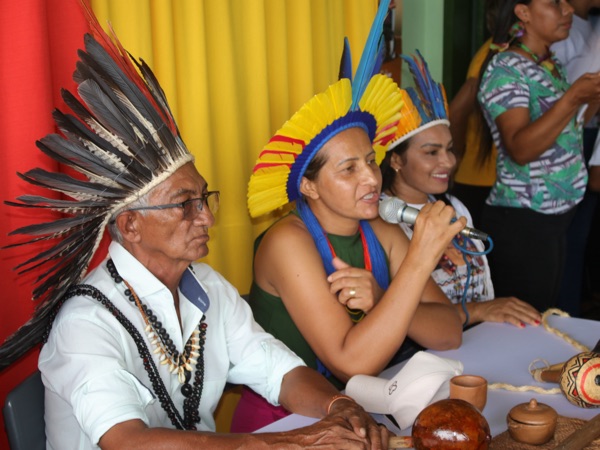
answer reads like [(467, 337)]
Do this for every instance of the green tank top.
[(270, 312)]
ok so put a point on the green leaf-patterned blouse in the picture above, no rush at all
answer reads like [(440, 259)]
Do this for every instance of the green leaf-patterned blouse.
[(556, 181)]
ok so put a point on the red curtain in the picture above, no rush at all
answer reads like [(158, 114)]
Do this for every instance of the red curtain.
[(38, 50)]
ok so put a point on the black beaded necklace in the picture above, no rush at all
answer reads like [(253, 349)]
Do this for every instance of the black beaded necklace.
[(157, 384), (158, 336), (192, 393)]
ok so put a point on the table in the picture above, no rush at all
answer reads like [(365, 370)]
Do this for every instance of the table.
[(502, 353)]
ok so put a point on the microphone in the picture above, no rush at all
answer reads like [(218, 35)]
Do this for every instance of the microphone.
[(394, 210)]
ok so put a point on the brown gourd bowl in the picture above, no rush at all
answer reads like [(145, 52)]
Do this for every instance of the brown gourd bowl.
[(451, 424)]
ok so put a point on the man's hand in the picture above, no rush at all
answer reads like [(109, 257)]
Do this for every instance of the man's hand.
[(360, 422), (347, 426)]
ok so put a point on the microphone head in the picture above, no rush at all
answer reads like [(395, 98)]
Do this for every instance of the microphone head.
[(389, 209), (394, 210)]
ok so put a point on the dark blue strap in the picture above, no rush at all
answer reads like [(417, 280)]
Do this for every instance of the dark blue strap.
[(193, 291)]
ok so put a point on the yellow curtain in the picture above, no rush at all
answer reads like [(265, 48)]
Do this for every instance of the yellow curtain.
[(234, 71)]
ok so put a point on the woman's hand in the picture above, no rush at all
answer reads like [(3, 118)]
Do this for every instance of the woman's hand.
[(356, 288), (586, 89), (506, 309), (434, 230), (526, 140)]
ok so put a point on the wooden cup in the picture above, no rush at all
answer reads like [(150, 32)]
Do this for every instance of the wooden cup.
[(471, 388)]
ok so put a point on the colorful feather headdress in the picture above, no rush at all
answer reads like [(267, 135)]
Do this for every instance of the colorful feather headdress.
[(371, 101), (424, 106), (123, 140)]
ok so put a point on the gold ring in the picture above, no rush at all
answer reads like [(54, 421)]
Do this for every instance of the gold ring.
[(352, 292)]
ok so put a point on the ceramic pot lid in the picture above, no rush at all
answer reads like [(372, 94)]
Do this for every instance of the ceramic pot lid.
[(533, 413)]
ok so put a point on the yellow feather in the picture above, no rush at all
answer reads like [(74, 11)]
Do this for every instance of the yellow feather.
[(267, 185), (267, 188)]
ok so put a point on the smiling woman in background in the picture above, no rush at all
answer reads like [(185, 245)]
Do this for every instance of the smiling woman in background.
[(417, 169)]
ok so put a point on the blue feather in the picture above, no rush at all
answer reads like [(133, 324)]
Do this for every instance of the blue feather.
[(369, 57), (427, 95), (380, 57), (346, 62)]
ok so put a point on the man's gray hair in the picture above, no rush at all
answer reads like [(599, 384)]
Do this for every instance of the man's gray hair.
[(113, 229)]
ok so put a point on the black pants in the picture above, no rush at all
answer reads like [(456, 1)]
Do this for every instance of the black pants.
[(571, 290), (529, 253)]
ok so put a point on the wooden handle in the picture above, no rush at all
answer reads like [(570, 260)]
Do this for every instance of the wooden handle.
[(400, 442), (549, 374), (582, 437)]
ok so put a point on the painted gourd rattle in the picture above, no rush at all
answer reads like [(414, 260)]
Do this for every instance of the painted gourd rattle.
[(579, 378)]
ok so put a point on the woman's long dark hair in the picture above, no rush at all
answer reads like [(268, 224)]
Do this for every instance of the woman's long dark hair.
[(387, 172), (504, 19)]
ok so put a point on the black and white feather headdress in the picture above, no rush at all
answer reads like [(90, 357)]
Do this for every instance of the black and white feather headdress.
[(122, 138)]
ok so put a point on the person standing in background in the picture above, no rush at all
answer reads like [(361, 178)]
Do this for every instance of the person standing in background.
[(579, 54), (531, 111), (474, 175)]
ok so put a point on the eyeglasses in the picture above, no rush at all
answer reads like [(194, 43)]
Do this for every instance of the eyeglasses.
[(191, 208)]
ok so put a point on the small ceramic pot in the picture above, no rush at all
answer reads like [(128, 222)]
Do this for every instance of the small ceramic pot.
[(532, 423), (471, 388)]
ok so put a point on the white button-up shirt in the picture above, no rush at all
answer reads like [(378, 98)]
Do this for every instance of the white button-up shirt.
[(94, 376), (580, 52)]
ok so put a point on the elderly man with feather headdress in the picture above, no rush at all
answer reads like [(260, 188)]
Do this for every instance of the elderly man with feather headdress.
[(142, 347)]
